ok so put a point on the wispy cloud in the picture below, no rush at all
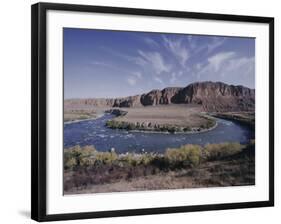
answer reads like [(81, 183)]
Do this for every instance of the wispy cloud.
[(205, 48), (245, 65), (177, 48), (154, 59), (239, 62), (198, 66), (150, 42), (214, 65), (137, 74), (157, 79), (216, 42), (175, 77), (106, 65), (228, 67), (109, 66), (100, 63), (132, 81), (134, 78), (218, 59), (192, 43), (117, 54)]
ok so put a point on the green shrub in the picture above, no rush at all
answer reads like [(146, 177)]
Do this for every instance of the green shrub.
[(129, 159), (186, 129), (209, 124), (120, 125), (137, 159), (77, 156), (221, 150), (186, 155), (113, 124), (69, 163), (104, 158), (131, 126), (146, 159), (108, 123), (171, 129)]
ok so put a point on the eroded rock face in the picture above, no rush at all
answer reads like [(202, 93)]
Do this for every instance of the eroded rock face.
[(213, 96), (218, 96), (130, 101), (151, 98)]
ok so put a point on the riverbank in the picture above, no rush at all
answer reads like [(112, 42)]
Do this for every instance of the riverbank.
[(165, 119), (86, 119), (77, 113), (190, 166), (242, 117)]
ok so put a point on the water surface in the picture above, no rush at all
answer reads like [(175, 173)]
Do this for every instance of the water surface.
[(94, 132)]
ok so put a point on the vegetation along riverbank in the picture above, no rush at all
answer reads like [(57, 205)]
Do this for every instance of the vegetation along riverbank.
[(87, 170)]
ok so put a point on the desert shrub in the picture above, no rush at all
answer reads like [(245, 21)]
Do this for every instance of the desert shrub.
[(69, 163), (129, 159), (113, 124), (186, 155), (171, 129), (131, 126), (221, 150), (210, 123), (72, 157), (104, 158), (136, 159), (146, 159), (161, 163), (186, 129), (77, 156), (108, 123), (120, 125)]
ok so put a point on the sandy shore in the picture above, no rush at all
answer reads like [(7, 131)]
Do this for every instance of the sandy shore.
[(87, 119)]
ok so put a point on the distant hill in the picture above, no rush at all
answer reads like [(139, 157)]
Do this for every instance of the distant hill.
[(213, 96)]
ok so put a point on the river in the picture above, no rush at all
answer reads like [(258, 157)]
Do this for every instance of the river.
[(94, 132)]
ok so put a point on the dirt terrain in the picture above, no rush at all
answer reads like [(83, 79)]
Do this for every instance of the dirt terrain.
[(165, 114)]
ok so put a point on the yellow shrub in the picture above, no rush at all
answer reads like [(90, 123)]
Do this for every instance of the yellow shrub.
[(105, 157), (185, 155), (146, 159), (217, 151), (129, 159)]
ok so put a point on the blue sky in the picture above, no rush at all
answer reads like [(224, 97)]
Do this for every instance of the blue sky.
[(100, 63)]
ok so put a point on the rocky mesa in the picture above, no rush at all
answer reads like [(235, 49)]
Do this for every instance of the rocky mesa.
[(213, 96)]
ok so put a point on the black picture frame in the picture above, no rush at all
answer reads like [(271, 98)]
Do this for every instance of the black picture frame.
[(39, 107)]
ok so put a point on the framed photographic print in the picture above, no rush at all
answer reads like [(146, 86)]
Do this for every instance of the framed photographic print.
[(138, 111)]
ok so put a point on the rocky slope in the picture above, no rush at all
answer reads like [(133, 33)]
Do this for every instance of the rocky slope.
[(213, 96)]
